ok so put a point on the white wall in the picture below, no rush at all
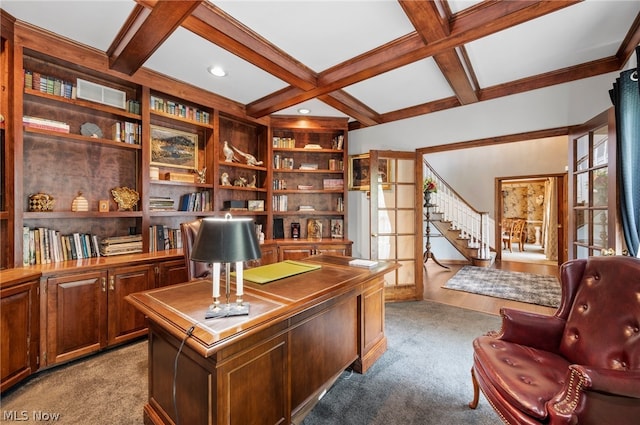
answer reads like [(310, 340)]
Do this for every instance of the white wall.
[(565, 105)]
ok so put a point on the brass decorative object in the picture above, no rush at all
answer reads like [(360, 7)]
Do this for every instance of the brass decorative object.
[(125, 197), (41, 202), (80, 203)]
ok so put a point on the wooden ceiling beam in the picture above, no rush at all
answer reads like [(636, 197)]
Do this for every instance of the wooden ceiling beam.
[(349, 105), (432, 26), (482, 20), (144, 31)]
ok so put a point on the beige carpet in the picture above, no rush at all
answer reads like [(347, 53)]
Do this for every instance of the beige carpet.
[(532, 254)]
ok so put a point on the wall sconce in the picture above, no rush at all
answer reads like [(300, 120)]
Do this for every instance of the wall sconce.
[(225, 241)]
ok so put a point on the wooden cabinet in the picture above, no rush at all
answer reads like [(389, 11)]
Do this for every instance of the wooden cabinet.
[(170, 272), (86, 311), (19, 312), (297, 250)]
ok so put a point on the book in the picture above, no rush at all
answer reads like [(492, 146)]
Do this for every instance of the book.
[(359, 262)]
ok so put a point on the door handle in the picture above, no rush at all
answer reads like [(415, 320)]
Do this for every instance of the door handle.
[(104, 284), (112, 283)]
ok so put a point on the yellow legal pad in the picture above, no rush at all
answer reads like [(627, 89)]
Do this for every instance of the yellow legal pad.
[(275, 271)]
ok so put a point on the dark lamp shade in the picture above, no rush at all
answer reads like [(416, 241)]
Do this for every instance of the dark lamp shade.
[(226, 240)]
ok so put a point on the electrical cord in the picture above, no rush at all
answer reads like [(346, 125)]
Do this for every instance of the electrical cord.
[(175, 370)]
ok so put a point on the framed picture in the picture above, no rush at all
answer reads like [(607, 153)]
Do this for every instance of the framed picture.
[(359, 178), (255, 205), (336, 228), (174, 148), (314, 229)]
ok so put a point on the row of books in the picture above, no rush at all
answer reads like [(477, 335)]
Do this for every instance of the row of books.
[(162, 237), (180, 110), (45, 124), (284, 142), (43, 246), (161, 203), (195, 201), (282, 163), (50, 85), (280, 203), (127, 132), (279, 184), (119, 245)]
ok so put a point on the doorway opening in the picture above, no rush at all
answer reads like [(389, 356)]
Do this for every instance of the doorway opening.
[(528, 213)]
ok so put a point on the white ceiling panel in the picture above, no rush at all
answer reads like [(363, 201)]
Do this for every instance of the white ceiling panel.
[(581, 33), (388, 92), (322, 33), (187, 57)]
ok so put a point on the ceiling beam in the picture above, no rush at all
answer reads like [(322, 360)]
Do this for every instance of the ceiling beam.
[(349, 105), (481, 20), (432, 26), (144, 31)]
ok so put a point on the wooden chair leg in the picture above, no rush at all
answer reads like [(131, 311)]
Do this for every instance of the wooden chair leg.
[(476, 390)]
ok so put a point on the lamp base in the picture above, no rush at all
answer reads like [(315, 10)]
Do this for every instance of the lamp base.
[(227, 310)]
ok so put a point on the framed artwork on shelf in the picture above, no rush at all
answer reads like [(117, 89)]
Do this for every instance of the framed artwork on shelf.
[(314, 229), (174, 148), (336, 228), (359, 178)]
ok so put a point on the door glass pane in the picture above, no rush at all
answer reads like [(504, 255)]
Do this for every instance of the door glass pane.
[(406, 196), (601, 228), (582, 252), (386, 247), (389, 225), (600, 183), (406, 221), (387, 198), (582, 189), (582, 226), (600, 147), (406, 274), (405, 246), (582, 153), (390, 279), (405, 171)]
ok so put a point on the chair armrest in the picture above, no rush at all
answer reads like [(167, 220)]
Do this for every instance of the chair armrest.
[(532, 329), (617, 382), (567, 405)]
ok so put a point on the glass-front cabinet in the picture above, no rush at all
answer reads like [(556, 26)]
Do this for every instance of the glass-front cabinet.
[(592, 219)]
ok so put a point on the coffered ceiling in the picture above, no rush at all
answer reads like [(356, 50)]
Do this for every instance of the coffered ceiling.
[(374, 61)]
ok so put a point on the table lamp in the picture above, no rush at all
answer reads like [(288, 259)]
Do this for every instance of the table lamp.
[(224, 241)]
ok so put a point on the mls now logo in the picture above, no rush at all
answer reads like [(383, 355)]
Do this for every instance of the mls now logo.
[(23, 415)]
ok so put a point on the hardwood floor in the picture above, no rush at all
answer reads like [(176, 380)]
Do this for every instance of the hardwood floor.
[(435, 277)]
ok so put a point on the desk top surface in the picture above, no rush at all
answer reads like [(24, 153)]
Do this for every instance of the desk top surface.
[(177, 308)]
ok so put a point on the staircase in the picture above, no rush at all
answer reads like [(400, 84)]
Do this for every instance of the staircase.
[(470, 232)]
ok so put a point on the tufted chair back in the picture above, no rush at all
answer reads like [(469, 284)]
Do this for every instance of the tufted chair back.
[(195, 269), (603, 326)]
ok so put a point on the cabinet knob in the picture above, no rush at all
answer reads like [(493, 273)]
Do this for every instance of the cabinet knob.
[(104, 284), (112, 283)]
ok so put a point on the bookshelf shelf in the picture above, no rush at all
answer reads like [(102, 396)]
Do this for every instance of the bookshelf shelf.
[(78, 215), (184, 184), (80, 138), (181, 119)]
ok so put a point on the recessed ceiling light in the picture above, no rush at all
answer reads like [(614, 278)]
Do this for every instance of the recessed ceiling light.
[(217, 71), (304, 111)]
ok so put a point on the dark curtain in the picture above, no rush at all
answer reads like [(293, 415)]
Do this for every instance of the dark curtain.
[(625, 96)]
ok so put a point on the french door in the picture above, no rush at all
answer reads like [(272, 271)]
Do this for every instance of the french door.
[(392, 221), (592, 188)]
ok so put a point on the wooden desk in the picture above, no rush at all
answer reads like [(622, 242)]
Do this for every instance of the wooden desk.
[(269, 367)]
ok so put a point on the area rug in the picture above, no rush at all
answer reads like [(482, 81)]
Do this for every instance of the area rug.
[(525, 287)]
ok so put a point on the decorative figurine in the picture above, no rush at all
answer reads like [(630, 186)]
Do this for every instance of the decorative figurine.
[(240, 182), (224, 180), (202, 175), (252, 183), (251, 160), (227, 152)]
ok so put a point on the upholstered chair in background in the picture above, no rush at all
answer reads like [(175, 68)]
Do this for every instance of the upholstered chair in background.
[(195, 270)]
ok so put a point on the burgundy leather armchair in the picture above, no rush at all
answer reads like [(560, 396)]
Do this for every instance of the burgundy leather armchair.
[(579, 366)]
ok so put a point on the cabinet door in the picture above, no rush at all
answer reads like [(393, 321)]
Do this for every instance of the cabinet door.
[(19, 312), (171, 273), (76, 315), (296, 252), (125, 321)]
